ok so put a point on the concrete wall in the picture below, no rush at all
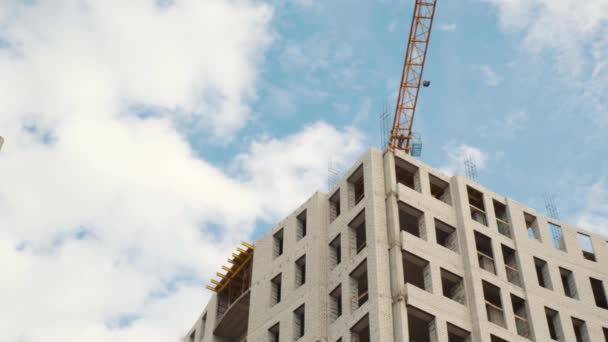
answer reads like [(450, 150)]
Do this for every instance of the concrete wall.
[(389, 296)]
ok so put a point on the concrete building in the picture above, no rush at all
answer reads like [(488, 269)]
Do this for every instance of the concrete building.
[(399, 251)]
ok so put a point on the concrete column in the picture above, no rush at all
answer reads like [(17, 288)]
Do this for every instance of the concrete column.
[(395, 254)]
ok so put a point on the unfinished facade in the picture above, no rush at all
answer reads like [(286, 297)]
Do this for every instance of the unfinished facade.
[(398, 251)]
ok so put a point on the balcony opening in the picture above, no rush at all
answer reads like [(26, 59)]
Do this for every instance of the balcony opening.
[(511, 267), (411, 220), (580, 330), (358, 238), (335, 303), (407, 174), (440, 189), (453, 286), (360, 331), (494, 338), (476, 206), (299, 322), (301, 225), (502, 219), (356, 189), (456, 334), (335, 251), (584, 241), (494, 309), (192, 336), (416, 271), (599, 293), (532, 226), (446, 235), (554, 325), (334, 206), (421, 325), (274, 333), (605, 333), (277, 243), (557, 237), (521, 316), (568, 283), (275, 290), (542, 273), (301, 271), (233, 296), (485, 255), (359, 286)]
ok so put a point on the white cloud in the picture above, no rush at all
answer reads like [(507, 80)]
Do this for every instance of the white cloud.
[(456, 156), (447, 27), (108, 55), (490, 77), (573, 35), (107, 215), (594, 215)]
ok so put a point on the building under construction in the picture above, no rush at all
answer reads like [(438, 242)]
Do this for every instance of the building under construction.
[(399, 251)]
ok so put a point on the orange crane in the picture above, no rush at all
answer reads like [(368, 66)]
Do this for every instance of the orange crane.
[(401, 136)]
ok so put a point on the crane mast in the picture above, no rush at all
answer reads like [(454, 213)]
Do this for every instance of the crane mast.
[(420, 32)]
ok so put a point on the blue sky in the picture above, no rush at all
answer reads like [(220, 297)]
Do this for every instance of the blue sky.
[(537, 125), (145, 139)]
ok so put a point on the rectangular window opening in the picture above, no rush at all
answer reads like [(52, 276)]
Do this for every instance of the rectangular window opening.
[(478, 210), (360, 331), (494, 309), (494, 338), (301, 271), (275, 290), (453, 286), (421, 325), (446, 235), (440, 189), (557, 237), (411, 220), (456, 334), (511, 267), (277, 243), (335, 251), (359, 286), (356, 189), (605, 333), (274, 333), (301, 225), (599, 293), (532, 226), (416, 271), (568, 283), (203, 326), (192, 336), (485, 255), (580, 330), (542, 273), (584, 241), (335, 303), (502, 219), (554, 325), (407, 174), (299, 318), (358, 236), (334, 206), (521, 316)]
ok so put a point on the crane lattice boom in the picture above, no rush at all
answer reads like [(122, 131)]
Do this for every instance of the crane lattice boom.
[(420, 32)]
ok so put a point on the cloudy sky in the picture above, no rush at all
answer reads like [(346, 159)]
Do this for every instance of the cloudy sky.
[(144, 138)]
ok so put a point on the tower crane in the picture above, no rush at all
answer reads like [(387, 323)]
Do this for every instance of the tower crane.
[(401, 135)]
